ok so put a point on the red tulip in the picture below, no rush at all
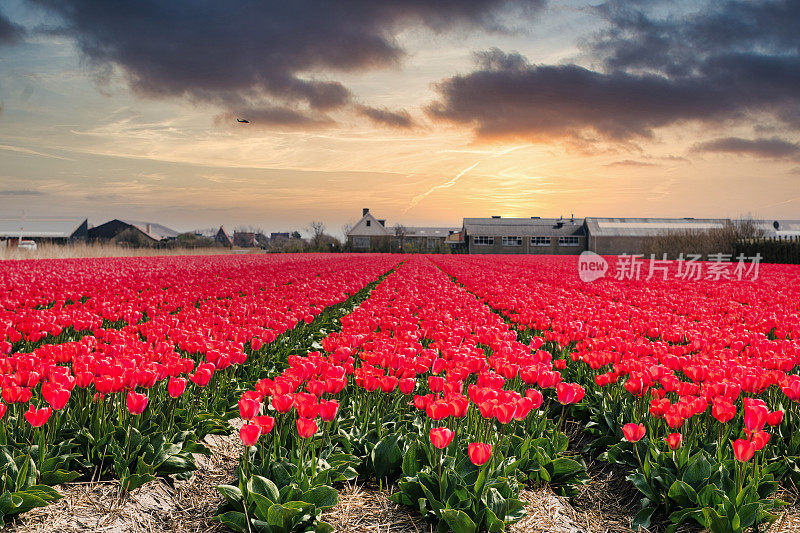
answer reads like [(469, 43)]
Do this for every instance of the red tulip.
[(743, 450), (306, 428), (37, 417), (438, 410), (54, 395), (633, 432), (536, 398), (136, 403), (674, 441), (723, 411), (248, 408), (775, 418), (249, 434), (569, 393), (407, 385), (3, 408), (328, 410), (504, 412), (479, 452), (760, 439), (265, 422), (755, 416), (441, 437), (176, 387), (282, 402)]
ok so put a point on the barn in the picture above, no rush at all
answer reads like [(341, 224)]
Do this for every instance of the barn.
[(58, 230), (132, 232)]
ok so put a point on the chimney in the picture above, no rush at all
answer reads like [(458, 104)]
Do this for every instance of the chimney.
[(572, 218), (364, 211), (148, 228)]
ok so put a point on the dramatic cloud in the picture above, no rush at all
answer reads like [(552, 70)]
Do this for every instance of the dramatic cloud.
[(767, 148), (243, 55), (728, 61), (10, 33), (396, 119)]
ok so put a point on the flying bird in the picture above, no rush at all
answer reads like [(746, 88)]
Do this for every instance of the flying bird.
[(243, 120)]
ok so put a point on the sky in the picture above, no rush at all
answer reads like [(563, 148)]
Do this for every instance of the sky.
[(424, 112)]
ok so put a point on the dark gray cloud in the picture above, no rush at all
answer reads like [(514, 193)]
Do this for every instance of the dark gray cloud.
[(10, 33), (245, 54), (773, 148), (727, 62), (386, 117)]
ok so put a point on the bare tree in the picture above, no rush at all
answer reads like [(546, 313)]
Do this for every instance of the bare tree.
[(400, 233)]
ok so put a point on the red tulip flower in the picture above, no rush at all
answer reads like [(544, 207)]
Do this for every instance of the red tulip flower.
[(407, 385), (743, 450), (56, 396), (479, 452), (328, 410), (674, 441), (3, 408), (775, 418), (633, 432), (569, 393), (441, 437), (306, 428), (755, 416), (760, 439), (265, 422), (249, 434), (136, 403), (248, 408), (282, 402), (176, 387), (37, 417)]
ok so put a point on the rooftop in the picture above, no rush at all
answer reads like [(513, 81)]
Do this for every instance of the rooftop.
[(38, 226), (520, 227)]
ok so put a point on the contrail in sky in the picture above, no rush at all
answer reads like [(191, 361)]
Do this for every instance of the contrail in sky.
[(446, 185)]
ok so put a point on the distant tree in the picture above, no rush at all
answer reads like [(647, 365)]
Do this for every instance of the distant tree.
[(400, 232), (317, 230), (296, 235)]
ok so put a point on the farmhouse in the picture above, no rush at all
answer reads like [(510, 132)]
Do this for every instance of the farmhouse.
[(223, 238), (49, 229), (130, 231), (615, 236), (371, 233), (534, 235)]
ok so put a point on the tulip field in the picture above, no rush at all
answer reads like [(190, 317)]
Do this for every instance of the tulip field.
[(452, 382)]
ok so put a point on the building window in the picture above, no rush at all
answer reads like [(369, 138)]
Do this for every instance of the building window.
[(569, 241), (369, 223), (512, 241), (431, 243), (483, 240), (540, 241), (361, 242)]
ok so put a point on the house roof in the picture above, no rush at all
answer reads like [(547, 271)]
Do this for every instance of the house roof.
[(522, 227), (41, 227), (648, 227), (429, 231), (154, 231)]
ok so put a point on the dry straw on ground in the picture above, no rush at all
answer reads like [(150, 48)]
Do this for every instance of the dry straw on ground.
[(55, 251)]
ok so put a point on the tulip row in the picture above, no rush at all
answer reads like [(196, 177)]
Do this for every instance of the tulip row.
[(125, 381), (416, 388), (691, 383)]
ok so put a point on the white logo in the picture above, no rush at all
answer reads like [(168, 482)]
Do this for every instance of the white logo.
[(591, 266)]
